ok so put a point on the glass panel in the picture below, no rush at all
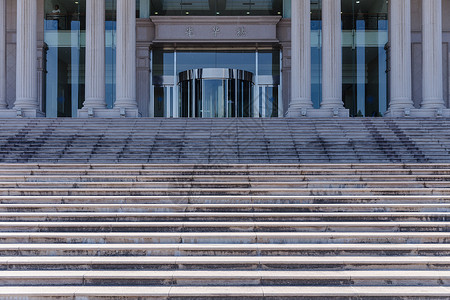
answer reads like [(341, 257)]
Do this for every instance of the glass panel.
[(316, 52), (365, 34), (110, 52), (64, 35), (142, 8), (242, 60), (192, 97), (216, 7)]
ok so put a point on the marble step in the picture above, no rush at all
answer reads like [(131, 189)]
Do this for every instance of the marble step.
[(230, 207), (333, 263), (227, 216), (214, 249), (227, 292), (219, 184), (236, 226), (227, 199), (225, 277), (195, 191), (225, 237)]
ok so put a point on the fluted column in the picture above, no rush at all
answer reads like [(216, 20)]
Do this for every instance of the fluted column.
[(126, 55), (432, 81), (26, 59), (3, 54), (400, 57), (95, 54), (300, 58), (331, 56)]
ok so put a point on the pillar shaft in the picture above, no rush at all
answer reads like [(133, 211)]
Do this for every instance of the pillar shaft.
[(2, 54), (26, 60), (432, 81), (331, 55), (400, 54), (95, 54), (300, 57), (126, 54)]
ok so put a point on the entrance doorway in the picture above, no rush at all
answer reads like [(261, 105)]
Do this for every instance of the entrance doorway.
[(216, 93)]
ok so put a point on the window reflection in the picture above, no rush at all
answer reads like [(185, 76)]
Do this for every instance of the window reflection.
[(64, 36), (209, 7), (259, 99), (365, 34)]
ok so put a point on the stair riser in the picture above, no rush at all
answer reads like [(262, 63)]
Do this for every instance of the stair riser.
[(234, 252), (226, 267), (222, 240), (212, 228), (219, 282)]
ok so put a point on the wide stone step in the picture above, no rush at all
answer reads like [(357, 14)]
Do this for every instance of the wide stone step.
[(228, 292), (227, 185), (248, 250), (228, 277), (226, 237), (231, 207), (228, 179), (224, 262), (226, 216), (241, 226), (220, 191), (227, 199)]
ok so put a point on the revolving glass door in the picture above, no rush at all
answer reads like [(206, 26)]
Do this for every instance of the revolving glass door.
[(215, 93)]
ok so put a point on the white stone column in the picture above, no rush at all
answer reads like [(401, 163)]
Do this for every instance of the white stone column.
[(95, 59), (332, 59), (3, 54), (26, 61), (300, 59), (400, 58), (126, 57), (432, 80)]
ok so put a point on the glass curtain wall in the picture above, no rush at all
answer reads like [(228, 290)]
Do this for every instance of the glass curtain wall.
[(365, 34), (215, 7), (316, 52), (110, 52), (142, 8), (64, 36)]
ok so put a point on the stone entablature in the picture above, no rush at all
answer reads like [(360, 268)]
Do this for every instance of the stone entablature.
[(214, 29)]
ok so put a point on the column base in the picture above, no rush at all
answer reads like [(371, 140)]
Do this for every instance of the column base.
[(330, 113), (418, 113), (21, 113), (108, 113), (8, 113), (299, 112)]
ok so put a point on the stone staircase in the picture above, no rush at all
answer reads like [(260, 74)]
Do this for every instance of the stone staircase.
[(224, 231), (225, 141)]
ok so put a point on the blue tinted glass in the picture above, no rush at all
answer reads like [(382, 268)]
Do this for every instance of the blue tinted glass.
[(187, 60)]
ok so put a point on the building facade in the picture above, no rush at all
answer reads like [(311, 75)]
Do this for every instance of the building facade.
[(224, 58)]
